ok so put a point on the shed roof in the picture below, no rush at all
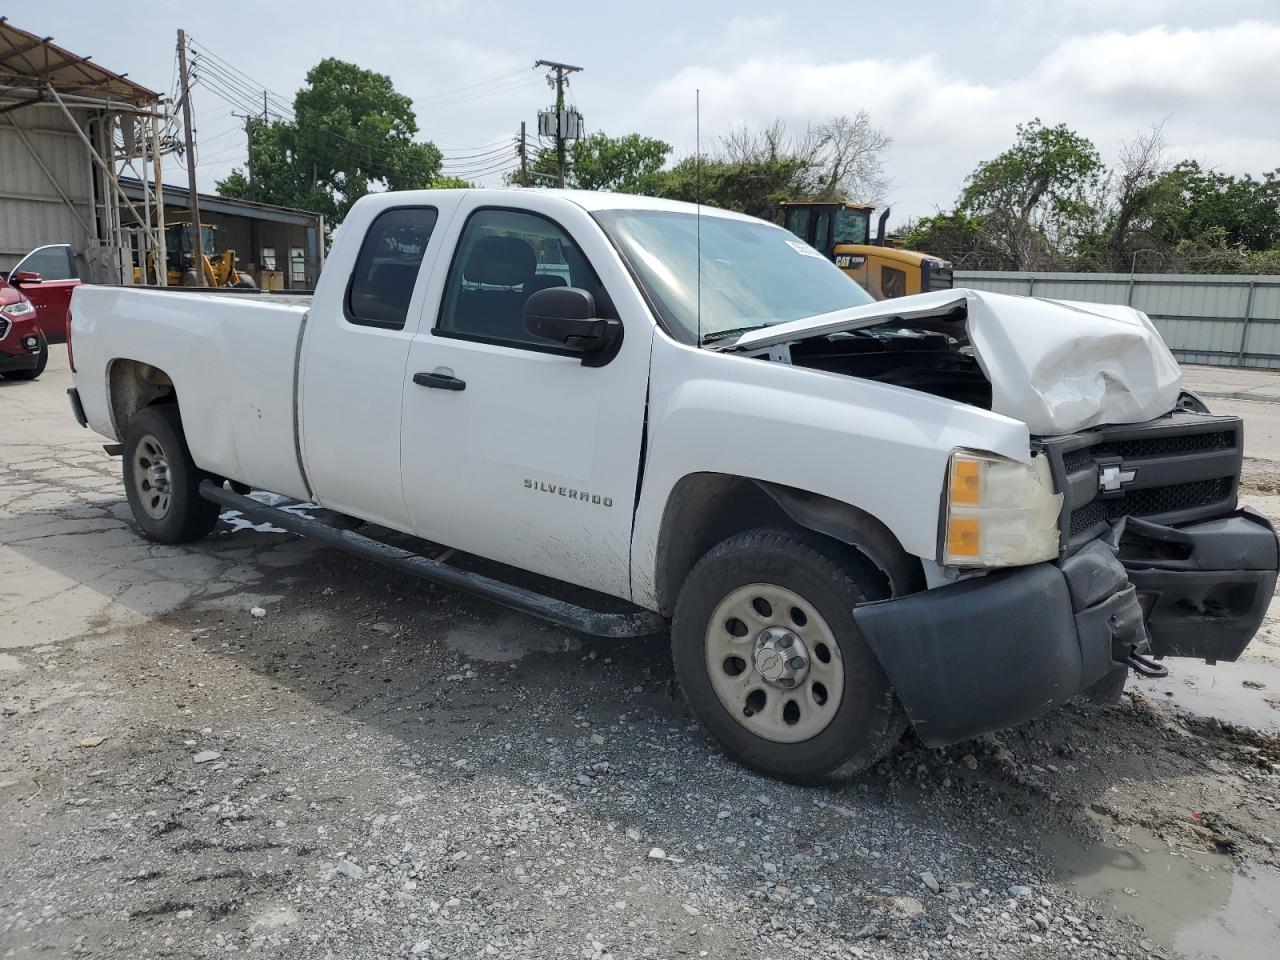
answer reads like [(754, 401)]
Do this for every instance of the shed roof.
[(31, 61), (175, 196)]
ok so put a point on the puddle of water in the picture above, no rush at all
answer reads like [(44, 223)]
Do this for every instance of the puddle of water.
[(1219, 691), (1200, 904)]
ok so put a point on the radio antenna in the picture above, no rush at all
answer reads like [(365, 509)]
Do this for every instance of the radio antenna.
[(697, 139)]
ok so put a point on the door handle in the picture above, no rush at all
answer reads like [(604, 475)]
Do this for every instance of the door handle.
[(439, 381)]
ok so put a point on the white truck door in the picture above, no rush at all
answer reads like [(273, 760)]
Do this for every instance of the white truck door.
[(356, 344), (513, 449)]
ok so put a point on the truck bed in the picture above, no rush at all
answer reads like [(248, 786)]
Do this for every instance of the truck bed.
[(233, 355)]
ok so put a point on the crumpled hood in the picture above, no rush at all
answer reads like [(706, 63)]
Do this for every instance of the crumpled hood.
[(1056, 365)]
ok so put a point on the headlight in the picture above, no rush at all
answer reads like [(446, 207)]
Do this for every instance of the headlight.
[(999, 513), (19, 309)]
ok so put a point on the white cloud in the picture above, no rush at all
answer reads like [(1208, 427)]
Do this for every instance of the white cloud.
[(1218, 89)]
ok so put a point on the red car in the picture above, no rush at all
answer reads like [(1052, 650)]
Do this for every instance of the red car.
[(48, 275), (23, 348)]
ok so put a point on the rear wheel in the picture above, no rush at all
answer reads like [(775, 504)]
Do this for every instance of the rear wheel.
[(42, 361), (771, 662), (161, 481)]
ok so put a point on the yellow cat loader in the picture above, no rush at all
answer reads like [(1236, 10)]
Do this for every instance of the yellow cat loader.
[(181, 269), (842, 232)]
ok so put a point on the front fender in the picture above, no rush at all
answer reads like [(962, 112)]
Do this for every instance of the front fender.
[(879, 448)]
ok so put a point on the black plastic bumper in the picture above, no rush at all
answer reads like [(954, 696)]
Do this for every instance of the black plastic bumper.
[(1204, 587), (992, 652), (19, 361)]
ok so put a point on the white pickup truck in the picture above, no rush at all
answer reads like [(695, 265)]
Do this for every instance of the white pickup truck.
[(950, 511)]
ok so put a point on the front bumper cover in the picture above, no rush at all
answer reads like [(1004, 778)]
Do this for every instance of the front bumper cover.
[(27, 360), (991, 652)]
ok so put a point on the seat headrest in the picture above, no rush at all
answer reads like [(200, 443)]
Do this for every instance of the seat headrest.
[(500, 261)]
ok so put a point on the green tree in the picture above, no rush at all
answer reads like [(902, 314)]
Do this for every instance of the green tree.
[(450, 183), (1039, 199), (627, 164), (352, 130), (754, 170), (1205, 206)]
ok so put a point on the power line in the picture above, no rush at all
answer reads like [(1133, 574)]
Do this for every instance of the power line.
[(481, 171), (241, 91), (479, 83)]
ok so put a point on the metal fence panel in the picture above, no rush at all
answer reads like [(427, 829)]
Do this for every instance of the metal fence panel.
[(1222, 320)]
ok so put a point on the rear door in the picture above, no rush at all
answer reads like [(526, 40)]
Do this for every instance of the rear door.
[(519, 452), (52, 295), (351, 372)]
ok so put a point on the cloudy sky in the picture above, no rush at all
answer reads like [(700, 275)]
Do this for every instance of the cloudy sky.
[(947, 82)]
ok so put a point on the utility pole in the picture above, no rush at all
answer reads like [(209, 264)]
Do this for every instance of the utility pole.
[(193, 198), (561, 71), (524, 158), (248, 133)]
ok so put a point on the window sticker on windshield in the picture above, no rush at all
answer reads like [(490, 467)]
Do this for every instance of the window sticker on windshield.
[(804, 248)]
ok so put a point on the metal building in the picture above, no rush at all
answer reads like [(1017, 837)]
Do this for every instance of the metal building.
[(279, 247), (65, 126)]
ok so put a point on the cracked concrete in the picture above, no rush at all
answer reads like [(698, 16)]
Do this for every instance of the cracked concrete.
[(68, 555)]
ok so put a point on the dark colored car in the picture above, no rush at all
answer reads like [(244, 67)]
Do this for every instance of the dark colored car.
[(48, 276), (24, 351)]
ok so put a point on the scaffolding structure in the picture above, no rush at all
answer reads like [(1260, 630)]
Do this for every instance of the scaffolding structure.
[(52, 101)]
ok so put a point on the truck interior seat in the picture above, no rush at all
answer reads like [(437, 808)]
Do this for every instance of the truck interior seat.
[(508, 262)]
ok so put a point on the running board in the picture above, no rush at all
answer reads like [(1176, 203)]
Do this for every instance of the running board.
[(596, 623)]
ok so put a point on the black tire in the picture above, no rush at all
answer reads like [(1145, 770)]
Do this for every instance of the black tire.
[(180, 514), (245, 282), (868, 722), (41, 363)]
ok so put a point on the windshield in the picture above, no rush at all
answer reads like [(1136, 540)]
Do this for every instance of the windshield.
[(753, 273)]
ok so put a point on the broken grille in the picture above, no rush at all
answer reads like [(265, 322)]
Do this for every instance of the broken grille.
[(1181, 467)]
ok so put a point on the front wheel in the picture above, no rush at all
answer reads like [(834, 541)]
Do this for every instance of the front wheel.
[(162, 481), (772, 664)]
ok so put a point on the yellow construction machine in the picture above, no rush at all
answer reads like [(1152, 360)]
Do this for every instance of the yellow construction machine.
[(182, 263), (842, 233)]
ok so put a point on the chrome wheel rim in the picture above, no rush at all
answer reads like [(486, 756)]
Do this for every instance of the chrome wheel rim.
[(151, 477), (774, 663)]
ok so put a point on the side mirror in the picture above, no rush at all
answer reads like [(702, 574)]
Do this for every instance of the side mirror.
[(567, 315), (25, 276)]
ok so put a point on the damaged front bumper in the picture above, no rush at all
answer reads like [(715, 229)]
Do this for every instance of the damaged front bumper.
[(991, 652)]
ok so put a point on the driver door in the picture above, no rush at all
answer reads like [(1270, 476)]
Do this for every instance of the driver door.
[(512, 448)]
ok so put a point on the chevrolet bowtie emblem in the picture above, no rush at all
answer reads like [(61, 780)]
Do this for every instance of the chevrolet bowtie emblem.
[(1111, 479)]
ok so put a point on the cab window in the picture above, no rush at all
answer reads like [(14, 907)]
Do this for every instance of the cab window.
[(796, 219), (852, 226), (893, 283), (503, 258), (822, 232), (387, 268)]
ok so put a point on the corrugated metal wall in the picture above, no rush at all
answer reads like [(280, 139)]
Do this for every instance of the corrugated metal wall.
[(1223, 320), (32, 212)]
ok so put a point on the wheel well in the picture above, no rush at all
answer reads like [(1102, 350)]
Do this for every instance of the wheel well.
[(707, 508), (133, 385)]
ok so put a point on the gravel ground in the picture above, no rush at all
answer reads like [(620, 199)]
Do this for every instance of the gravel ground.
[(252, 744)]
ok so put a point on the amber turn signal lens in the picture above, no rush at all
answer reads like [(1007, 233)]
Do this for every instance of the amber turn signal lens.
[(964, 537), (966, 480)]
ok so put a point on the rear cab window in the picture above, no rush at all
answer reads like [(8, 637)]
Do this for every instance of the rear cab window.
[(386, 269)]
